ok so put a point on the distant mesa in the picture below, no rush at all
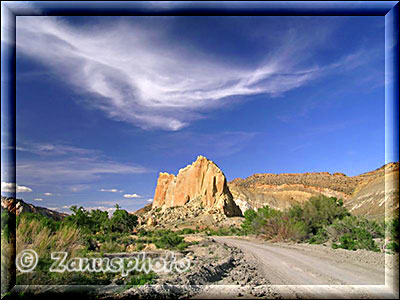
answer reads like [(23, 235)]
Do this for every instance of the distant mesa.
[(371, 194), (201, 183), (17, 206)]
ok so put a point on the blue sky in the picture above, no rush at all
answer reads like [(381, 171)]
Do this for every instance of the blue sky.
[(106, 103)]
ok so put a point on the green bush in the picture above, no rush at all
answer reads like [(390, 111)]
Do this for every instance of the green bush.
[(122, 221), (187, 231), (322, 211), (392, 233), (110, 247), (98, 221), (139, 246), (170, 241), (393, 229), (45, 222), (358, 239), (393, 246), (353, 233), (141, 279), (320, 237), (319, 220)]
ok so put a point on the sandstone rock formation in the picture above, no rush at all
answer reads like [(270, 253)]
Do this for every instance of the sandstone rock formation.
[(202, 180), (362, 194), (378, 193)]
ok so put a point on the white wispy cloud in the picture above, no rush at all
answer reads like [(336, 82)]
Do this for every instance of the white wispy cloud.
[(4, 147), (53, 149), (210, 144), (74, 169), (79, 187), (135, 75), (111, 190), (150, 200), (9, 187), (131, 196), (38, 199), (69, 167)]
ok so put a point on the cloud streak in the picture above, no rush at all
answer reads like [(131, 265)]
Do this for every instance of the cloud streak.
[(55, 149), (73, 170), (130, 196), (111, 190), (133, 75), (210, 144), (9, 187)]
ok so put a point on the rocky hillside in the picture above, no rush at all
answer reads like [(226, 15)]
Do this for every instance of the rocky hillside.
[(18, 206), (201, 182), (362, 194), (378, 191)]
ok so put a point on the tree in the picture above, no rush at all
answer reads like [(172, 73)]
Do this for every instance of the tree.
[(99, 220), (80, 217), (122, 221)]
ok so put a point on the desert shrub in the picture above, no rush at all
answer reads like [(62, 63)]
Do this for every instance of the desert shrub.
[(354, 233), (393, 246), (99, 221), (122, 221), (319, 220), (300, 230), (95, 221), (32, 234), (161, 232), (110, 247), (80, 218), (322, 211), (320, 237), (139, 246), (275, 224), (392, 229), (358, 239), (170, 241), (187, 231), (6, 224), (392, 233), (295, 213), (346, 242), (248, 224), (143, 232), (182, 246), (44, 221), (255, 221), (141, 279), (350, 223)]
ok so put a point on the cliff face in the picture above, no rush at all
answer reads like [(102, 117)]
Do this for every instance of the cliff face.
[(280, 191), (377, 195), (201, 182), (362, 194)]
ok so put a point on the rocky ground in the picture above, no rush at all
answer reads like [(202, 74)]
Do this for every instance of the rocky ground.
[(221, 270), (191, 215), (212, 264), (250, 268)]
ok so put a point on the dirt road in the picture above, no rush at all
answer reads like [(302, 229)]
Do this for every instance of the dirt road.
[(306, 273)]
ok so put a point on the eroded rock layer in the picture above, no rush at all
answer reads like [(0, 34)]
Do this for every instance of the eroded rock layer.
[(367, 194), (202, 180)]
